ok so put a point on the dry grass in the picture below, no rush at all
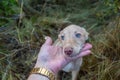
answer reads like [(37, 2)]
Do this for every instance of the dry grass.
[(19, 58), (20, 43), (104, 63)]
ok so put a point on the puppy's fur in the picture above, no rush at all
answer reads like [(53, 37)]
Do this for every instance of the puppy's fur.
[(72, 39)]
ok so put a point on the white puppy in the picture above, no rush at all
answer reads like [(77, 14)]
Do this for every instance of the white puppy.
[(72, 39)]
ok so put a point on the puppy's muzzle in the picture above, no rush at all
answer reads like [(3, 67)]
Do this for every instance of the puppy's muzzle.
[(68, 50)]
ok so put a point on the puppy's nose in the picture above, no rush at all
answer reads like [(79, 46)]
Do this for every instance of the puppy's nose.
[(68, 50)]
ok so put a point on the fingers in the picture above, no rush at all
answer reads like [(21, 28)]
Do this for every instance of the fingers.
[(86, 50), (84, 53), (48, 40), (87, 46)]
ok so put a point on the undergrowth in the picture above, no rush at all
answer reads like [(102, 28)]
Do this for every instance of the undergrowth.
[(22, 33), (103, 64)]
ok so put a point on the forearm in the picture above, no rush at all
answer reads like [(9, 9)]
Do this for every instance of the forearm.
[(37, 77)]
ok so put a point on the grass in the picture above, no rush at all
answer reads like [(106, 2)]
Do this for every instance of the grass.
[(20, 39), (103, 64)]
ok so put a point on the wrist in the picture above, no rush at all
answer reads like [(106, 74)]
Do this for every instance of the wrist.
[(43, 72), (37, 77), (50, 68)]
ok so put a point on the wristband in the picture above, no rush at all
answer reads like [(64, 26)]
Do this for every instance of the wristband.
[(44, 72)]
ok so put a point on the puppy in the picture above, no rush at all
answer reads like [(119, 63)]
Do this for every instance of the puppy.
[(72, 39)]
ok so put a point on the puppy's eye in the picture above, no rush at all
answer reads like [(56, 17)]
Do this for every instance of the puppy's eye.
[(62, 37), (78, 35)]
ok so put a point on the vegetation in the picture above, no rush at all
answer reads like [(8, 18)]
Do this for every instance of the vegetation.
[(24, 23)]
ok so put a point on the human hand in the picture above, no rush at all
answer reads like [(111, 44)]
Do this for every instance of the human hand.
[(53, 58)]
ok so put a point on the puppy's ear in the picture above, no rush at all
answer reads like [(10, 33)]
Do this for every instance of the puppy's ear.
[(59, 35), (85, 33)]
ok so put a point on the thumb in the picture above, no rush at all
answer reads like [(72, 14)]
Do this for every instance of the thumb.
[(48, 40)]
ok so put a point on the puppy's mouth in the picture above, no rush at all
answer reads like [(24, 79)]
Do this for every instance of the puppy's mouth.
[(71, 52), (68, 51)]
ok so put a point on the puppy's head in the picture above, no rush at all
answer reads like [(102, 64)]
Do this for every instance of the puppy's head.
[(72, 39)]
